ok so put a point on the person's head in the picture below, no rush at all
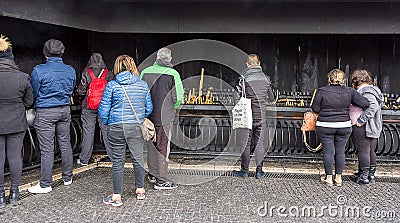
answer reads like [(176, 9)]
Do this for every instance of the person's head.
[(5, 48), (53, 48), (125, 63), (164, 54), (253, 60), (360, 77), (336, 77)]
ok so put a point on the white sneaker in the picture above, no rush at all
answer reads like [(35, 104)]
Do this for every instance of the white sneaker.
[(37, 189), (78, 161), (66, 183)]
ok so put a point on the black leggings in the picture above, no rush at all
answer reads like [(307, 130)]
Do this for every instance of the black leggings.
[(12, 143), (333, 144), (365, 146)]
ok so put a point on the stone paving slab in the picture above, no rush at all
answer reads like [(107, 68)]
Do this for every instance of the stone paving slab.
[(212, 199)]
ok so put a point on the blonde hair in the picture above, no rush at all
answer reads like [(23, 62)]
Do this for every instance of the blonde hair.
[(5, 43), (125, 63), (253, 59), (336, 77)]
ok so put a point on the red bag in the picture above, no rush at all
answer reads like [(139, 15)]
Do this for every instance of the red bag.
[(96, 88)]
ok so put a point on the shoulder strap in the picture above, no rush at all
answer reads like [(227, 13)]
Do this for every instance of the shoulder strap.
[(103, 74), (91, 73), (130, 103)]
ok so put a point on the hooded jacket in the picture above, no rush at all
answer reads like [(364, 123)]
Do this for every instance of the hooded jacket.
[(258, 89), (15, 97), (372, 116), (114, 107), (53, 83), (96, 64)]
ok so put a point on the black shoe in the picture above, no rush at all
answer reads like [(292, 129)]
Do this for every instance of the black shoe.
[(14, 195), (359, 172), (363, 178), (2, 200), (371, 175), (240, 174), (165, 186), (260, 174)]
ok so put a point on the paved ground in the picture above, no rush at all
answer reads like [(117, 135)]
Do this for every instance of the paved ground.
[(213, 197)]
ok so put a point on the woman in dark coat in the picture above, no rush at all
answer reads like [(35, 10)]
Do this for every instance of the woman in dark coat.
[(15, 97)]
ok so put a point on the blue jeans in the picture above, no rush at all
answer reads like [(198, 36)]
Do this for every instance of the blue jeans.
[(119, 136)]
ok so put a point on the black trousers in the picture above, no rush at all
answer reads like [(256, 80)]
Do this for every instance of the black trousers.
[(333, 144), (257, 133), (12, 143), (365, 146)]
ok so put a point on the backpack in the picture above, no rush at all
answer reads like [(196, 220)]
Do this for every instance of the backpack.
[(96, 88)]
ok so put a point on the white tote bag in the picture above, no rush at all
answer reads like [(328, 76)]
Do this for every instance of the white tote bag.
[(242, 114)]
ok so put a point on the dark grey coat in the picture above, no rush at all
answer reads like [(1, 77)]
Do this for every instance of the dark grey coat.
[(15, 97), (258, 89)]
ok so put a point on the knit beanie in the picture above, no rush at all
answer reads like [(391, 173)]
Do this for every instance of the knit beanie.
[(5, 48), (53, 48)]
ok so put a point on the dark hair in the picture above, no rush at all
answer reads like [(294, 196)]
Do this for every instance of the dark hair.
[(360, 77)]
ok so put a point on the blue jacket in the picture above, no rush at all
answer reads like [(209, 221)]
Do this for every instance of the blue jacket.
[(53, 83), (115, 109)]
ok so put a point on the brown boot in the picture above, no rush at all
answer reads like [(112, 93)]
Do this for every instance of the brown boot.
[(338, 180), (327, 179)]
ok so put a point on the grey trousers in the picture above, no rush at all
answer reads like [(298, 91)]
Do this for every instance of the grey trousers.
[(50, 123), (89, 118), (13, 144), (257, 132), (119, 136)]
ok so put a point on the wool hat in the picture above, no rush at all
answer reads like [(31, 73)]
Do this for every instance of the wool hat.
[(53, 48), (5, 48)]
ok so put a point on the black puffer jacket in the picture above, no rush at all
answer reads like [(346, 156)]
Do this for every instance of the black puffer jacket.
[(96, 64), (258, 89), (15, 96), (332, 103)]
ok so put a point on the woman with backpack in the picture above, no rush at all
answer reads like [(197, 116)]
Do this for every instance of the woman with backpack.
[(94, 79), (123, 97)]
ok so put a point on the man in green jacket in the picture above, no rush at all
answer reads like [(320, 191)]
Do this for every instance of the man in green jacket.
[(167, 92)]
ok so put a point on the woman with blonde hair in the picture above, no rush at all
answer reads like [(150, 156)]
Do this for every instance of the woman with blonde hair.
[(367, 127), (333, 124), (122, 125)]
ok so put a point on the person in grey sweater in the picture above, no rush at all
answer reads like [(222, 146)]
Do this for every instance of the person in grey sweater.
[(367, 128)]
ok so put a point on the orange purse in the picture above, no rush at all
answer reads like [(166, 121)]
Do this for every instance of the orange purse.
[(309, 124)]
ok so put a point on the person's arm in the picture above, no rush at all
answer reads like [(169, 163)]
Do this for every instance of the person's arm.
[(105, 104), (82, 88), (28, 94), (316, 106), (358, 100), (177, 95), (149, 104), (35, 83), (369, 113)]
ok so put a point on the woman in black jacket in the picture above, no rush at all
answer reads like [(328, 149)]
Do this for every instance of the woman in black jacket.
[(332, 104), (15, 96)]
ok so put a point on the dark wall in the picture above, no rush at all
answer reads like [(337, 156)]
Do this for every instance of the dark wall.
[(294, 62)]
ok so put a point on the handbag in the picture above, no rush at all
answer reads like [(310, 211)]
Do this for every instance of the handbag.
[(242, 116), (309, 124), (147, 127), (30, 117)]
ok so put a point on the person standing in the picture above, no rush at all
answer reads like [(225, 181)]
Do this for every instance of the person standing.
[(367, 127), (167, 92), (258, 89), (53, 84), (123, 128), (16, 96), (95, 67), (332, 104)]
